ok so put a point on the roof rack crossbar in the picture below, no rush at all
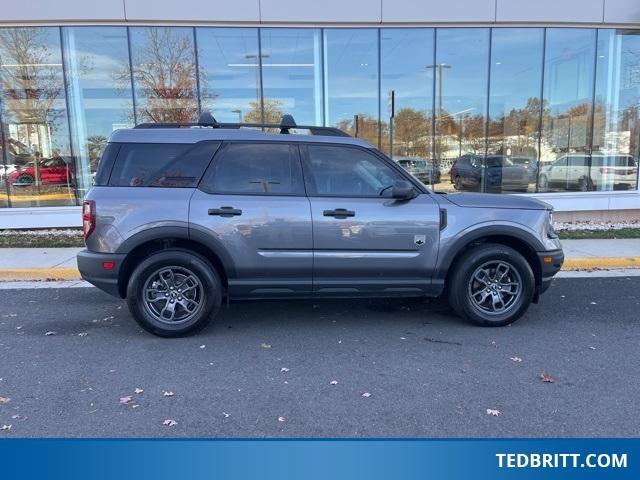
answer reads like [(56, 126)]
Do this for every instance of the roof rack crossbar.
[(284, 126)]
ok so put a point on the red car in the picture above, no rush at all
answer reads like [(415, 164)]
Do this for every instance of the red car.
[(51, 170)]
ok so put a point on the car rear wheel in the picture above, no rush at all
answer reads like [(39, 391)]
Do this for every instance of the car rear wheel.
[(174, 293), (491, 285), (457, 183), (584, 185), (543, 183)]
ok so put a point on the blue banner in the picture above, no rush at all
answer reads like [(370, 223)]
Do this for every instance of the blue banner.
[(318, 459)]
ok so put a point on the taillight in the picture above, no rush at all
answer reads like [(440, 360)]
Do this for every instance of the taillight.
[(606, 170), (88, 217)]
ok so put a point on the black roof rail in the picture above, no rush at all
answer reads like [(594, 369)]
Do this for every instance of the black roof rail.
[(287, 123)]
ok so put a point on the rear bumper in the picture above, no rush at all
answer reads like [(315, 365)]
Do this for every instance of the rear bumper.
[(90, 265), (550, 264)]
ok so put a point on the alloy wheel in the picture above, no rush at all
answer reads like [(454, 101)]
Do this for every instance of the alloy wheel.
[(495, 287), (173, 295)]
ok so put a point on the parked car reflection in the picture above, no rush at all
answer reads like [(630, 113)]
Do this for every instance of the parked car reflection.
[(585, 172), (500, 174), (53, 170), (423, 169)]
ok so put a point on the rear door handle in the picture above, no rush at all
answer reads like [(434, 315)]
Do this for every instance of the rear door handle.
[(225, 211), (339, 213)]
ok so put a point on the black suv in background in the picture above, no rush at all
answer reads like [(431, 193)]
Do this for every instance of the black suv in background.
[(499, 173)]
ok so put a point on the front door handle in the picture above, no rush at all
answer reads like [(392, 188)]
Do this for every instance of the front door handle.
[(225, 211), (339, 213)]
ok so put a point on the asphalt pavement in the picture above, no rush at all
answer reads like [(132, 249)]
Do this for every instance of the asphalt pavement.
[(339, 368)]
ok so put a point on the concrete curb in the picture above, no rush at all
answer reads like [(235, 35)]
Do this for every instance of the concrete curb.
[(600, 263), (11, 274), (71, 273)]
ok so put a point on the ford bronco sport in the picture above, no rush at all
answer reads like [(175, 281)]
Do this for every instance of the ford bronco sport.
[(182, 217)]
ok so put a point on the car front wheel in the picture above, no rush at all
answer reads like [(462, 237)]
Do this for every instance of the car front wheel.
[(174, 293), (491, 285)]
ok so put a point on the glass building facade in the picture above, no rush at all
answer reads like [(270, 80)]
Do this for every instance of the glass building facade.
[(485, 109)]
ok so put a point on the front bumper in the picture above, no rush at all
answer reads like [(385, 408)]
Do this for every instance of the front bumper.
[(550, 264), (90, 265)]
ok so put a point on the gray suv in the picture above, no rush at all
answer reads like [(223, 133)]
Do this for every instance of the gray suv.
[(182, 217)]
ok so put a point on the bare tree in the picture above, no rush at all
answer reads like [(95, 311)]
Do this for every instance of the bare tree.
[(164, 73), (31, 76)]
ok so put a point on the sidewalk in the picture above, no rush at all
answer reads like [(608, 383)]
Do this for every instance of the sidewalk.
[(60, 263)]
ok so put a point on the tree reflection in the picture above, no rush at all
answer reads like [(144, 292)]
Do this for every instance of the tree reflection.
[(164, 74)]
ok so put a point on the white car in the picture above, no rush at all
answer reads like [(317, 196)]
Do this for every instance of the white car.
[(5, 170), (579, 171)]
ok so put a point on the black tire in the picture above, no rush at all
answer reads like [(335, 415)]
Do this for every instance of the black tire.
[(543, 183), (457, 183), (585, 185), (25, 179), (195, 272), (461, 285)]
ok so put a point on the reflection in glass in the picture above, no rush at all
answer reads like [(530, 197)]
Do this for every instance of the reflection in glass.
[(351, 81), (462, 57), (94, 57), (291, 72), (566, 120), (229, 73), (39, 166), (616, 135), (164, 74), (514, 104), (405, 54)]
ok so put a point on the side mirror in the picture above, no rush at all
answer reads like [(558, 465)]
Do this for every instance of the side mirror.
[(402, 190)]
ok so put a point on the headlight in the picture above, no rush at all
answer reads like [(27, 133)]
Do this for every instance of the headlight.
[(551, 233)]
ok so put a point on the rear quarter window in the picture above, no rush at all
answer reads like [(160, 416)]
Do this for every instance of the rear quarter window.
[(169, 165), (106, 164)]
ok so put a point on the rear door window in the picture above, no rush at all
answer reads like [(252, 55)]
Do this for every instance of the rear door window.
[(169, 165), (255, 168)]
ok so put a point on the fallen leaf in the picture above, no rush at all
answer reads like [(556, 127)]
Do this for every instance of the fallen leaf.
[(6, 427), (167, 394), (593, 303), (515, 359), (19, 327), (18, 417), (138, 390), (202, 346), (169, 423), (333, 382), (126, 400), (592, 348), (545, 377), (48, 334), (83, 334), (282, 419), (493, 412), (402, 338), (4, 400), (284, 369), (266, 345), (225, 414), (366, 394)]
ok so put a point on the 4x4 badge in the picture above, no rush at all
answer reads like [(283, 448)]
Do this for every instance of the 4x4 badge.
[(419, 240)]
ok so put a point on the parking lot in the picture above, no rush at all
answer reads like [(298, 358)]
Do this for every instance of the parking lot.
[(69, 358)]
